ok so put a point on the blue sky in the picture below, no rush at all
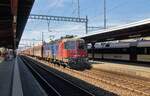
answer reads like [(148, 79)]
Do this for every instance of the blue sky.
[(118, 12)]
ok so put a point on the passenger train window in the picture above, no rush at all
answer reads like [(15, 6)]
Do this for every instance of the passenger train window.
[(142, 50), (145, 50), (107, 45), (70, 45), (148, 50)]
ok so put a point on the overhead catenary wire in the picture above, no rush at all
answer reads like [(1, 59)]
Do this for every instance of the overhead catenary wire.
[(76, 7), (73, 7), (106, 11), (105, 15), (79, 8)]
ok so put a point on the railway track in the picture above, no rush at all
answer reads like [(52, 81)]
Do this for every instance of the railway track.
[(132, 84), (120, 84), (53, 84), (116, 83)]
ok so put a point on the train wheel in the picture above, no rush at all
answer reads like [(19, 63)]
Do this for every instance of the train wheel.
[(64, 65)]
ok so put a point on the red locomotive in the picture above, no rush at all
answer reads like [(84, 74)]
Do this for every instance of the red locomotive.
[(70, 52)]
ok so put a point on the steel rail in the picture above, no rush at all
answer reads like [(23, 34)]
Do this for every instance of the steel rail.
[(50, 90), (71, 84)]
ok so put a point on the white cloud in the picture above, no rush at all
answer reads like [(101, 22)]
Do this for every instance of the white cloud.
[(27, 37), (70, 27), (45, 6), (55, 3), (62, 30)]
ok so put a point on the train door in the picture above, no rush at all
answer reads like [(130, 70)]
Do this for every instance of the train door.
[(133, 51)]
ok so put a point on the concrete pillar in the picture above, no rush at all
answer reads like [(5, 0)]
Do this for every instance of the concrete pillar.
[(14, 53), (93, 47)]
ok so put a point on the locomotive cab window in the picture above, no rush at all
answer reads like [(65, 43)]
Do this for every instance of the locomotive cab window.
[(70, 45), (81, 46)]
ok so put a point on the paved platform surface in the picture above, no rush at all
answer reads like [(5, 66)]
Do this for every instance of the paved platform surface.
[(122, 67), (16, 80), (16, 86), (6, 70)]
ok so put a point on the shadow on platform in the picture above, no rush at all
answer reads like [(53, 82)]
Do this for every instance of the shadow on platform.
[(6, 76)]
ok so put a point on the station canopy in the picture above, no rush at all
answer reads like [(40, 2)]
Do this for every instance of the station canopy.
[(13, 18), (128, 31)]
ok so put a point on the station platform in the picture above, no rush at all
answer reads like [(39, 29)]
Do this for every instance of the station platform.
[(6, 70), (13, 83), (126, 68)]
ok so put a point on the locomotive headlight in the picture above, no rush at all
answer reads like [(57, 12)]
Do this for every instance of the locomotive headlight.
[(66, 59), (86, 59)]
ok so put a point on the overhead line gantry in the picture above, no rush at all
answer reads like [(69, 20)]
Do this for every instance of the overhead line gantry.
[(61, 18)]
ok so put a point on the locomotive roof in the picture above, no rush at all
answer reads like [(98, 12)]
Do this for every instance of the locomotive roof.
[(65, 39), (72, 39)]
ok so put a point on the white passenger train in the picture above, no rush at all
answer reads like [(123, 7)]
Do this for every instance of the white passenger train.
[(143, 51), (127, 51)]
